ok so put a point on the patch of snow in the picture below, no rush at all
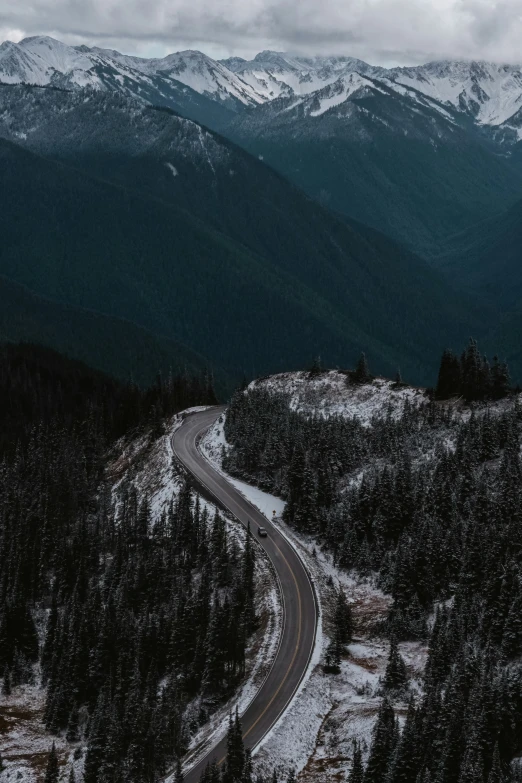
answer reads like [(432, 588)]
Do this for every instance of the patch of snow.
[(172, 168), (331, 394)]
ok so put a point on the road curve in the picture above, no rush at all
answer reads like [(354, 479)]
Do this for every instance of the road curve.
[(300, 611)]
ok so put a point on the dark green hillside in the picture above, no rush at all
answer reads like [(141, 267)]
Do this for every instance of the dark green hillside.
[(244, 267), (487, 261), (488, 258), (113, 345), (386, 160), (83, 242)]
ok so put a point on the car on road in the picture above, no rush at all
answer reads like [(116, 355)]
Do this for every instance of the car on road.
[(261, 532)]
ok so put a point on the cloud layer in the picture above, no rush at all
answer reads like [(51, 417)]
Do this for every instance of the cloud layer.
[(381, 31)]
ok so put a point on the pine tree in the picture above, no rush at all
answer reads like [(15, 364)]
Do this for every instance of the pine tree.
[(395, 676), (72, 734), (178, 775), (357, 770), (51, 770), (500, 379), (247, 769), (235, 760), (316, 368), (343, 619), (449, 379), (406, 761), (6, 684), (383, 745), (362, 374)]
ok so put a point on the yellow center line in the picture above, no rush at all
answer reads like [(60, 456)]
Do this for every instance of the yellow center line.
[(298, 641), (290, 665)]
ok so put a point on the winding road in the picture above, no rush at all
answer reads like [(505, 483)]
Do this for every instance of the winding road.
[(300, 612)]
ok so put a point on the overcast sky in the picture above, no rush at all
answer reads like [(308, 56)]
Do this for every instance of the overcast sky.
[(387, 32)]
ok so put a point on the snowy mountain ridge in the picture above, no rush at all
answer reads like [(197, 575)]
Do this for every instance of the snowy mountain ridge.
[(42, 60), (488, 93)]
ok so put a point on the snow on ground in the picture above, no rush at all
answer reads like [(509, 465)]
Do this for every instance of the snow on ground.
[(149, 466), (314, 735), (154, 472), (24, 742), (331, 394)]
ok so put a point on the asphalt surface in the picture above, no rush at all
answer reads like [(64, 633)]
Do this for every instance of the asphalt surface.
[(300, 612)]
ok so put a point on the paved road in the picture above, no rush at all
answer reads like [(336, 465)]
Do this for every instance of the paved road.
[(300, 616)]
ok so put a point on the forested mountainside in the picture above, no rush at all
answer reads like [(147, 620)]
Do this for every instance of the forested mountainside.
[(115, 346), (84, 232), (486, 258), (393, 159), (123, 626), (423, 494)]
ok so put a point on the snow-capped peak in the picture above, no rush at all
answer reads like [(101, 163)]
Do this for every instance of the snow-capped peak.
[(56, 55), (192, 68), (489, 92), (278, 73)]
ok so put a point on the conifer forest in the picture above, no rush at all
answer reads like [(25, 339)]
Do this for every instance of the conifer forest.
[(137, 632), (430, 502)]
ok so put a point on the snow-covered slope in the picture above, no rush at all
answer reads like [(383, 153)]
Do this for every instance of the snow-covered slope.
[(196, 70), (355, 85), (331, 394), (276, 74), (489, 92), (42, 60)]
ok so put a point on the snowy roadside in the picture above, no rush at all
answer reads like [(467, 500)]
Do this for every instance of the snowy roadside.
[(153, 471), (314, 735)]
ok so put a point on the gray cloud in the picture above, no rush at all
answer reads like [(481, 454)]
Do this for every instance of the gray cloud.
[(385, 31)]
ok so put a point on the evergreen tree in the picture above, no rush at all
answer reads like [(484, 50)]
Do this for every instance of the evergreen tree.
[(495, 773), (235, 760), (362, 374), (178, 775), (316, 368), (383, 745), (395, 676), (51, 770), (449, 379), (500, 379), (357, 770), (6, 684)]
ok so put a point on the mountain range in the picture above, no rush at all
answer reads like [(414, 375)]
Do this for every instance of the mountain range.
[(138, 213), (489, 93), (419, 153), (149, 192)]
